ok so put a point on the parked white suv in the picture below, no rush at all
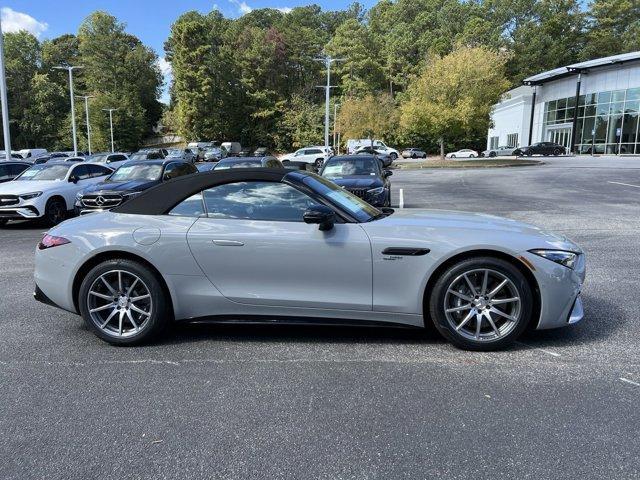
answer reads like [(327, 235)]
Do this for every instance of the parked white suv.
[(307, 156), (48, 190)]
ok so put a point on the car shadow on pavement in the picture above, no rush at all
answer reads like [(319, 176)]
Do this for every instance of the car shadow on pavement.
[(303, 333)]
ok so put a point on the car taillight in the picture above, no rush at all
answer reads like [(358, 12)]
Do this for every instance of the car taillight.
[(49, 241)]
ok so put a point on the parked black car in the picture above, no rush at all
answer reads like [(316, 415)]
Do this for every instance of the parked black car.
[(128, 181), (540, 148), (10, 169), (362, 175), (248, 162)]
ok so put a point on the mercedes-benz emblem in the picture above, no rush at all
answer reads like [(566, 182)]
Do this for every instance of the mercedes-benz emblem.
[(100, 200)]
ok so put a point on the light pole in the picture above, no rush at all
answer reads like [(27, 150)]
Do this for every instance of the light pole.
[(110, 110), (70, 69), (86, 111), (335, 119), (3, 95), (327, 60)]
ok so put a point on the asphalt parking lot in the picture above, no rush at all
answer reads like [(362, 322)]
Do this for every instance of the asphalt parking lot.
[(345, 403)]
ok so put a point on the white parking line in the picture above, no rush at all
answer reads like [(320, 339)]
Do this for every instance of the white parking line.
[(625, 184), (401, 198), (548, 352), (626, 380)]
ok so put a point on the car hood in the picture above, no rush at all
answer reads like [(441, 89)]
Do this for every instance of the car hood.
[(18, 187), (130, 186), (475, 227), (357, 181)]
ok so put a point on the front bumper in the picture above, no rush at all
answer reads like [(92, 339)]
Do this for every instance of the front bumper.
[(19, 213), (560, 287)]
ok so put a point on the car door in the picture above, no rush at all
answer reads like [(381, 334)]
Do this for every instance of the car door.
[(255, 249)]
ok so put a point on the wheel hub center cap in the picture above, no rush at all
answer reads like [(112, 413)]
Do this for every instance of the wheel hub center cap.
[(123, 301), (481, 303)]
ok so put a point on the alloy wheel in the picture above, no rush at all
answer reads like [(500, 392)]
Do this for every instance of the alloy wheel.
[(55, 213), (119, 303), (482, 305)]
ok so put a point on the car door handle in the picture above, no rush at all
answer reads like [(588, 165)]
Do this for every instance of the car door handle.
[(228, 243)]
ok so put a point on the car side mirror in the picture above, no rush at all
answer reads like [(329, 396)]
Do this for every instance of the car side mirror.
[(73, 179), (321, 215), (387, 173)]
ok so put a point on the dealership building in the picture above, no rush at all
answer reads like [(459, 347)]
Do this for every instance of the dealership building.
[(589, 107)]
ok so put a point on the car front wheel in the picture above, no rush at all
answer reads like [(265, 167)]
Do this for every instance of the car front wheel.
[(123, 303), (55, 211), (482, 304), (393, 156), (318, 164)]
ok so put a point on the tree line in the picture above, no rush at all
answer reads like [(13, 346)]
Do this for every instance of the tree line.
[(118, 72), (422, 72)]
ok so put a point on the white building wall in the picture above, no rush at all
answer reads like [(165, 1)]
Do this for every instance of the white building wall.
[(513, 114)]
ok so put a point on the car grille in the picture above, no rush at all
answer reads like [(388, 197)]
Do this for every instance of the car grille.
[(106, 200), (358, 192), (8, 200)]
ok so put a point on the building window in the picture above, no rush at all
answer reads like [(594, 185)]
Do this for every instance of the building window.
[(608, 122), (512, 140), (493, 142)]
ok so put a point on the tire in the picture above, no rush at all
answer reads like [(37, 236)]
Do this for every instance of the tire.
[(508, 330), (3, 222), (55, 212), (150, 326), (556, 152), (452, 156), (424, 155), (317, 165), (393, 156), (493, 154), (472, 156), (414, 156)]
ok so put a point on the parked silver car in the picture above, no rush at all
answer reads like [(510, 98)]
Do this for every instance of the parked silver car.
[(262, 244), (504, 151), (413, 153)]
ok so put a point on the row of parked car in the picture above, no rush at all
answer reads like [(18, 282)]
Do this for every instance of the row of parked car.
[(52, 190)]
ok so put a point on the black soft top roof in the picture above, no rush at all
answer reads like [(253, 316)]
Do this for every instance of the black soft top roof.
[(161, 198)]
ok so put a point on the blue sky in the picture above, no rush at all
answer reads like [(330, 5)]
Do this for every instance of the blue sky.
[(150, 20)]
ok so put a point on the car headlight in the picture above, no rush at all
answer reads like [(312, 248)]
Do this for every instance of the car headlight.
[(567, 259), (29, 196), (376, 191)]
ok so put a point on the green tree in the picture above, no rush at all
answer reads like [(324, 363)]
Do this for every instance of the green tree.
[(373, 117), (42, 119), (453, 97), (22, 59), (614, 27), (122, 73)]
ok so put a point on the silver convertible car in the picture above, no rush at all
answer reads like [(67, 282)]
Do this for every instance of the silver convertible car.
[(261, 245)]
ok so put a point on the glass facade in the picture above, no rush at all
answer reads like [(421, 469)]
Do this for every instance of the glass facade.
[(607, 121)]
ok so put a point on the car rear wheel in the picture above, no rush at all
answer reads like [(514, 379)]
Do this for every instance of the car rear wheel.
[(493, 154), (452, 156), (55, 211), (123, 303), (556, 152), (481, 304)]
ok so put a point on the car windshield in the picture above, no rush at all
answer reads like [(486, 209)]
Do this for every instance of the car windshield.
[(246, 164), (45, 171), (174, 152), (343, 168), (358, 208), (138, 156), (149, 172)]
